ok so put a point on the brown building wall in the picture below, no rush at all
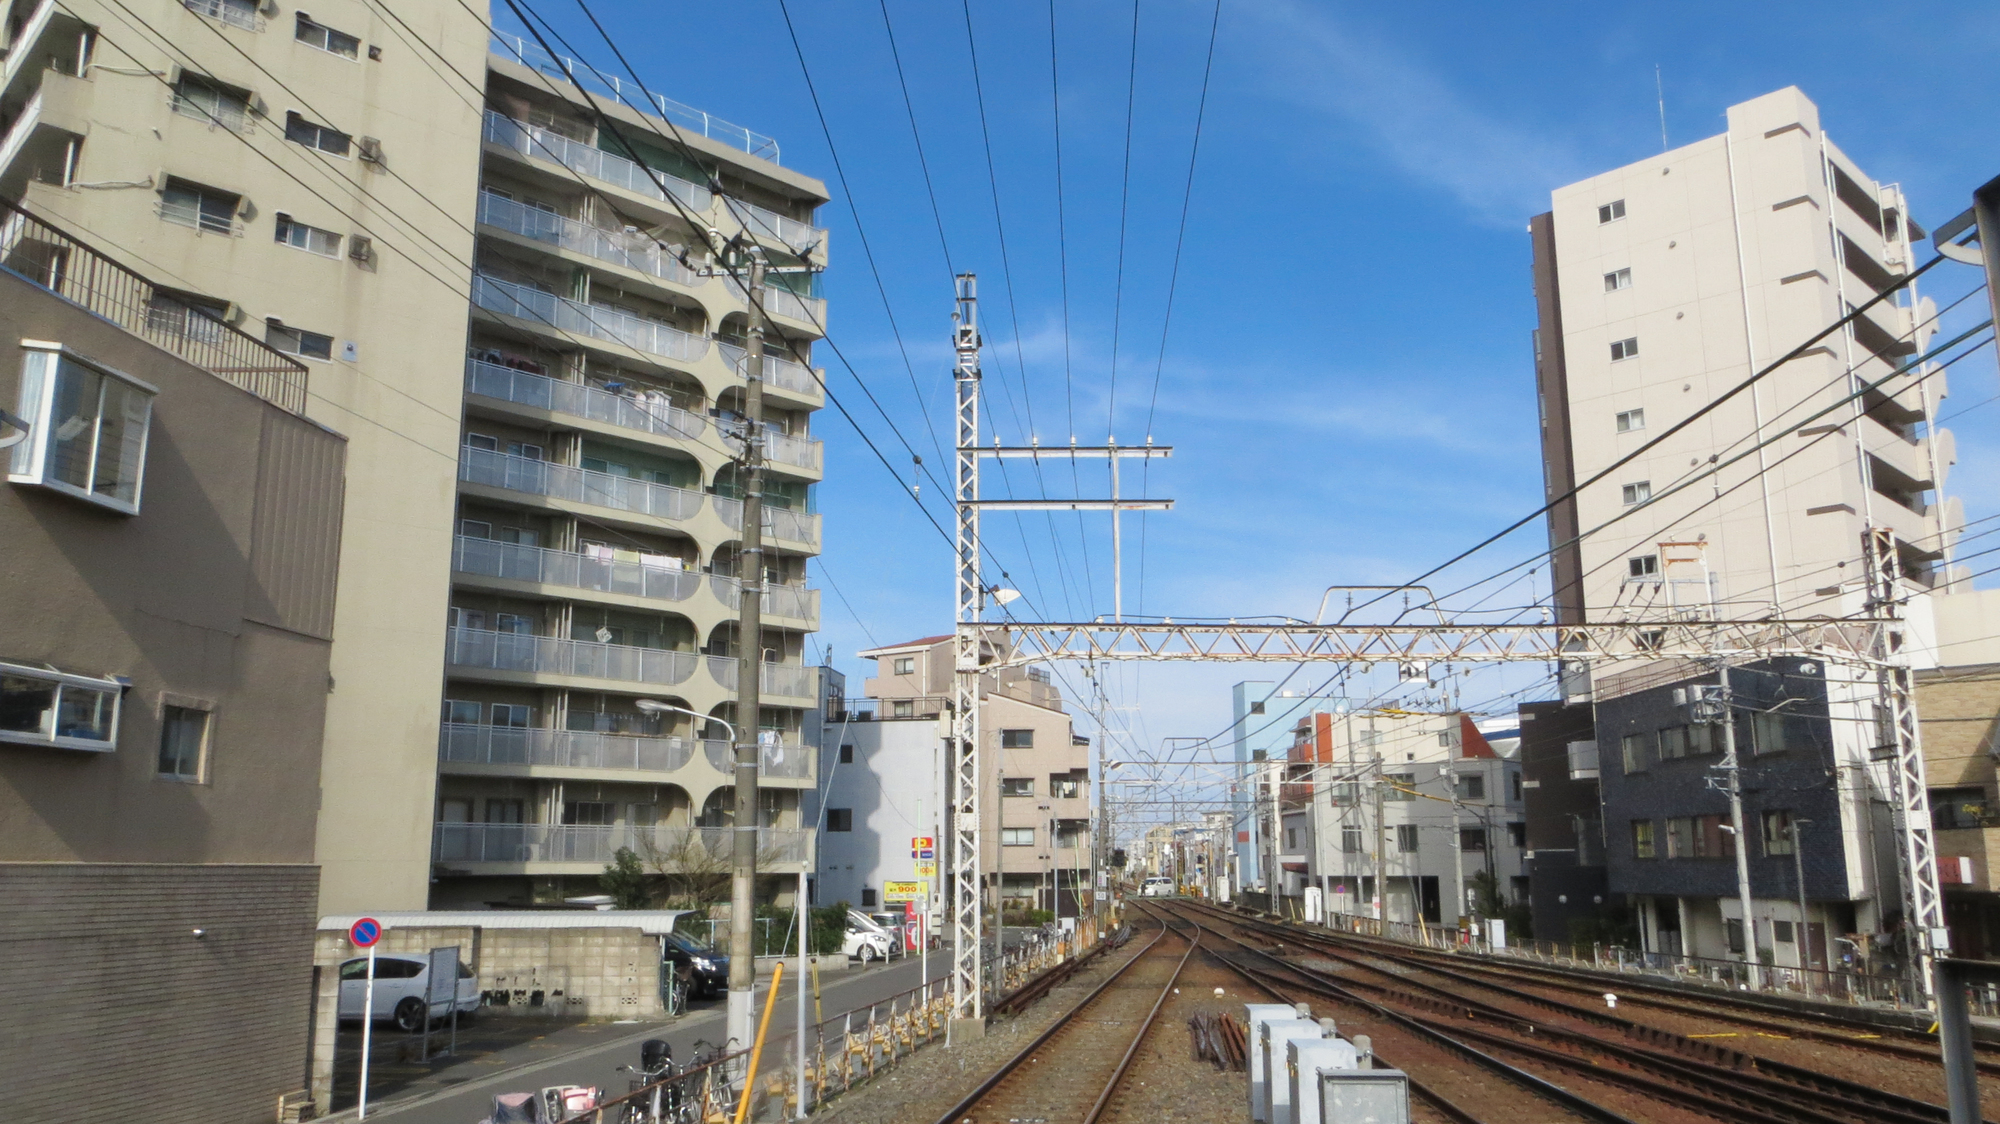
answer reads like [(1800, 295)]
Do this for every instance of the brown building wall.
[(104, 975)]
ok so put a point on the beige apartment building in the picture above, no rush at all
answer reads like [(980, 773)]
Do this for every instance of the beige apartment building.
[(1035, 816), (169, 523), (513, 314)]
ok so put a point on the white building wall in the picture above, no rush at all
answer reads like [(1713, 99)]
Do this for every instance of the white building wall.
[(893, 791)]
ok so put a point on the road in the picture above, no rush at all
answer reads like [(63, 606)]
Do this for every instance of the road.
[(598, 1063)]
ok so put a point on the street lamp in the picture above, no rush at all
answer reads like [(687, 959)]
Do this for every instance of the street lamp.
[(655, 706)]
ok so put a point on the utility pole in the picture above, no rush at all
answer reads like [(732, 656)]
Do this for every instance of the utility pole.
[(1799, 876), (1453, 844), (1733, 772), (740, 1024), (968, 894)]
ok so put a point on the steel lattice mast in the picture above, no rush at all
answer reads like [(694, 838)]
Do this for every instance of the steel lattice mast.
[(966, 891)]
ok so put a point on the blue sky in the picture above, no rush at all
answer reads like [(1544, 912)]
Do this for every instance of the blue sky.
[(1347, 381)]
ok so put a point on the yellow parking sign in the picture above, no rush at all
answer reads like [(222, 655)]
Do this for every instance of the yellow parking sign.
[(926, 868), (902, 891)]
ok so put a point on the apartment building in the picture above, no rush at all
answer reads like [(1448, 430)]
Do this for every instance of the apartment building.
[(1036, 815), (884, 785), (514, 313), (1261, 717), (169, 523), (1564, 813), (1389, 812), (1661, 286), (594, 564)]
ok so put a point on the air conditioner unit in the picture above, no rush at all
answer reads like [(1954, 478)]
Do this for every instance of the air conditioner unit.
[(361, 249), (371, 150), (268, 8)]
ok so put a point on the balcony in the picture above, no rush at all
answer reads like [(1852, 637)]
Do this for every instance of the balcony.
[(799, 237), (781, 373), (646, 412), (793, 449), (633, 251), (577, 485), (791, 526), (589, 160), (782, 680), (529, 843), (462, 744), (794, 601), (774, 759), (518, 651), (806, 310), (542, 566), (510, 298)]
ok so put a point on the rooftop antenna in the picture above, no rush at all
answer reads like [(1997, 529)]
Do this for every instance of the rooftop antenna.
[(1660, 91)]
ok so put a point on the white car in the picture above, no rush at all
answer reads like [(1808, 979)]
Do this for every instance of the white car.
[(1156, 888), (866, 941), (400, 985)]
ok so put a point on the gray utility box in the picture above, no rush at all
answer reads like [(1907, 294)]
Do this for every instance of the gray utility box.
[(1276, 1033), (1364, 1096), (1306, 1059), (1255, 1015)]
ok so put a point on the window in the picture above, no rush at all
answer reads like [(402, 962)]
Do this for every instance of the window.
[(311, 239), (1734, 928), (1064, 786), (1611, 211), (1699, 837), (588, 813), (455, 811), (638, 815), (1257, 707), (1406, 838), (459, 712), (840, 819), (902, 708), (203, 208), (323, 137), (325, 38), (1017, 739), (847, 755), (1350, 840), (1642, 566), (1704, 739), (1957, 808), (212, 102), (1777, 827), (1517, 835), (1017, 786), (1781, 931), (1514, 787), (505, 811), (1767, 732), (1629, 420), (1399, 786), (1673, 743), (1683, 837), (1633, 748), (1291, 839), (1624, 349), (87, 429), (183, 742), (1617, 279), (511, 714), (905, 665), (1017, 837), (1472, 839), (235, 13), (1636, 493), (307, 345), (1642, 840), (867, 897), (1472, 787)]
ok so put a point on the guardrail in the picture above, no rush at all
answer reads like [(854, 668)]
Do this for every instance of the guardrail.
[(669, 848)]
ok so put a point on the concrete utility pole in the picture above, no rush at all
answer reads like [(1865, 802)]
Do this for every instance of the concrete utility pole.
[(1453, 843), (1733, 772), (740, 1024), (1799, 942)]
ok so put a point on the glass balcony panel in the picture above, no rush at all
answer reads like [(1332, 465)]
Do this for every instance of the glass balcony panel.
[(589, 160), (460, 743), (786, 680), (513, 651), (579, 485), (791, 526), (785, 374), (564, 843), (510, 298), (632, 250), (645, 411)]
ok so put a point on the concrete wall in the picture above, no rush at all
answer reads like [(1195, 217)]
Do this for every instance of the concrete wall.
[(897, 772), (116, 1010)]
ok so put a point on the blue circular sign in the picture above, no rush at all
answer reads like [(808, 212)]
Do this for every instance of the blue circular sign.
[(365, 932)]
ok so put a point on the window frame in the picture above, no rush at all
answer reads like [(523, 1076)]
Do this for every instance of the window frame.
[(1627, 348), (275, 327), (62, 680), (840, 819), (1011, 837), (1630, 421), (1632, 752), (298, 126), (168, 713), (42, 367), (1782, 844), (1610, 212), (1635, 493), (1010, 739), (845, 756), (1409, 840), (1618, 280), (903, 665), (234, 109), (283, 226), (1642, 566), (304, 21), (1645, 840), (1017, 786), (201, 221)]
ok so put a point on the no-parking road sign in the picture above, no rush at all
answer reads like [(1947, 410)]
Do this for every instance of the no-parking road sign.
[(365, 932)]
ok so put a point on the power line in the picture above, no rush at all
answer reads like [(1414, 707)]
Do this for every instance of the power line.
[(1124, 206)]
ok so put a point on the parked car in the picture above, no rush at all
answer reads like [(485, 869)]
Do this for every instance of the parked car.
[(1156, 887), (865, 941), (902, 931), (401, 982), (711, 965)]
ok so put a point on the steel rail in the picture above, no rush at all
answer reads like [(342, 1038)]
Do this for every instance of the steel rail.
[(1532, 1083), (1125, 1063)]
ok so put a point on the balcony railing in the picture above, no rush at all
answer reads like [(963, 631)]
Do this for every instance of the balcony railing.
[(792, 526), (589, 160), (464, 744), (786, 680), (669, 848), (784, 302), (794, 449), (766, 223), (781, 759), (578, 485), (781, 373), (648, 412), (794, 601), (632, 251), (517, 562), (518, 651), (215, 110), (596, 321)]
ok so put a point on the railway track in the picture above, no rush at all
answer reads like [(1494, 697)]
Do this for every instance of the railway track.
[(1650, 1074), (1072, 1070)]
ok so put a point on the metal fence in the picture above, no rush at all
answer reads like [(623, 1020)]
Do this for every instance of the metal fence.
[(792, 526), (543, 566), (672, 847), (46, 256), (788, 680), (781, 373), (520, 651), (589, 160), (578, 485), (511, 298), (647, 411), (633, 250)]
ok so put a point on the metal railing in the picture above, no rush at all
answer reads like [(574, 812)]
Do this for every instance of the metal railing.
[(520, 651), (223, 113), (578, 485), (791, 232), (784, 302), (633, 251), (44, 255), (792, 526), (511, 298), (793, 449), (781, 373), (669, 847), (467, 744), (589, 160), (783, 759), (579, 74), (523, 563), (788, 680), (645, 411), (795, 601), (865, 709)]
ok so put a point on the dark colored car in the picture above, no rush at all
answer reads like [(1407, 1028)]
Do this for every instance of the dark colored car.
[(711, 967)]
